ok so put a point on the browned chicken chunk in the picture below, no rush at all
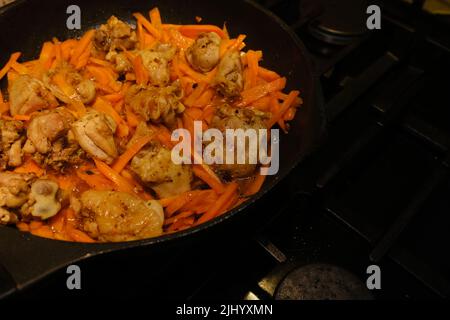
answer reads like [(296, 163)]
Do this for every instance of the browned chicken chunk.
[(115, 35), (27, 95), (12, 135), (117, 216), (14, 192), (95, 134), (49, 140), (204, 54), (155, 168), (228, 117), (84, 88), (156, 61), (229, 78), (47, 127), (159, 105)]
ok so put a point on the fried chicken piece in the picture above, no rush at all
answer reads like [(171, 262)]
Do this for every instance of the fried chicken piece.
[(227, 117), (204, 54), (117, 216), (27, 95), (95, 134), (156, 61), (12, 135), (158, 105), (154, 166), (14, 192), (115, 35), (229, 78)]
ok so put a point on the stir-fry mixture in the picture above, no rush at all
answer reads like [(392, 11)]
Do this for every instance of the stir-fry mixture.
[(85, 129)]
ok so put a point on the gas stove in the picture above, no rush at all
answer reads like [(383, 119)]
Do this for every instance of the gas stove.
[(373, 197)]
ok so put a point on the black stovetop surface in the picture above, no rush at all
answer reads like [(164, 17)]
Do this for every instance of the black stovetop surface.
[(375, 193)]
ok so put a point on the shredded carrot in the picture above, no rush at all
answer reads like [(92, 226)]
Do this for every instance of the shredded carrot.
[(253, 69), (206, 177), (185, 214), (267, 74), (255, 93), (44, 232), (8, 65), (140, 71), (123, 160), (22, 226), (94, 179), (147, 25), (193, 31), (81, 46), (195, 95), (228, 194), (30, 166), (155, 18), (20, 68), (205, 99), (67, 48), (132, 118), (284, 107), (121, 184), (79, 236)]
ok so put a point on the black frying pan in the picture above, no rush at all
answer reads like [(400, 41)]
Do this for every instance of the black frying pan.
[(25, 25)]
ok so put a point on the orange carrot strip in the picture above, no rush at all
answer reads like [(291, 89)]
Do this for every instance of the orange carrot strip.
[(100, 62), (253, 67), (44, 232), (132, 118), (35, 225), (185, 214), (22, 226), (114, 97), (20, 68), (13, 58), (205, 99), (255, 93), (220, 203), (267, 74), (140, 71), (30, 166), (94, 179), (120, 182), (81, 46), (187, 70), (84, 57), (57, 223), (79, 236), (155, 18), (210, 181), (123, 160), (179, 202), (193, 31), (284, 107), (195, 95), (147, 25), (66, 49)]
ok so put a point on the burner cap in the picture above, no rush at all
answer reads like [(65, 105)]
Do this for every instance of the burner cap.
[(321, 282), (341, 21)]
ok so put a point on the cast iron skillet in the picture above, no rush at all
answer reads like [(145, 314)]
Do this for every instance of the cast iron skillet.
[(25, 25)]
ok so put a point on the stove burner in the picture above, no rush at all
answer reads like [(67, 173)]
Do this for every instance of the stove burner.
[(321, 282), (341, 22)]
